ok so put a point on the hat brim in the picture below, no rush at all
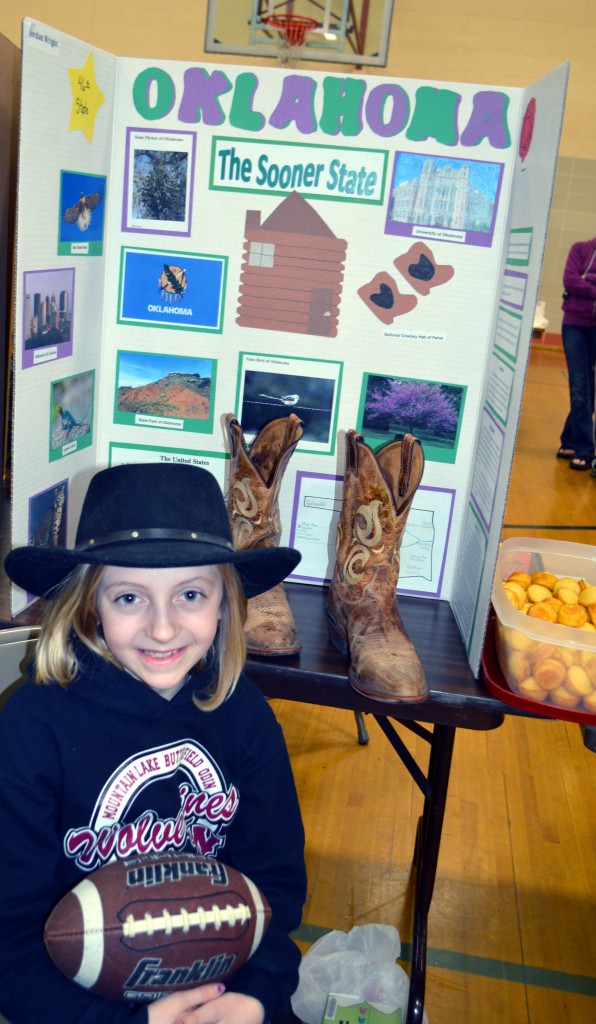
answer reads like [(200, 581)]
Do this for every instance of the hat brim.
[(39, 570)]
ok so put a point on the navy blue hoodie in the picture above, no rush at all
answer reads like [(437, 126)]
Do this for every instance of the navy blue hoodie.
[(107, 767)]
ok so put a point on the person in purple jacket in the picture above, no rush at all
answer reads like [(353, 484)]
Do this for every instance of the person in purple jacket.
[(579, 343), (138, 732)]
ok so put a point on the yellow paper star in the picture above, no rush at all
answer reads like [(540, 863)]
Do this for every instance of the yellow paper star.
[(87, 98)]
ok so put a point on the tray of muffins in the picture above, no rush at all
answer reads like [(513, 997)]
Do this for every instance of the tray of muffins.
[(540, 649)]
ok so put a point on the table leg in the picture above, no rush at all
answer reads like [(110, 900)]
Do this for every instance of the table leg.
[(428, 841), (361, 727)]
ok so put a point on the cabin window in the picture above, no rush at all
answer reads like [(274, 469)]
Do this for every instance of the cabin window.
[(261, 254)]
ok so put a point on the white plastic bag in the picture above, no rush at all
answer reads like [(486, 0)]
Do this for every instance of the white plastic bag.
[(360, 962)]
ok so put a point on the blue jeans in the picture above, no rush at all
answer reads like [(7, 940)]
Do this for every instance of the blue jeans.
[(579, 344)]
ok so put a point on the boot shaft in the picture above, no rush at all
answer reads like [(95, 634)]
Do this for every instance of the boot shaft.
[(256, 474), (378, 492)]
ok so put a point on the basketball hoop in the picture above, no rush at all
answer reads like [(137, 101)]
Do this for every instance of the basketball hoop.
[(292, 33)]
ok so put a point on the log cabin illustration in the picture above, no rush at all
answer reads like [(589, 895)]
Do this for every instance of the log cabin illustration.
[(292, 271)]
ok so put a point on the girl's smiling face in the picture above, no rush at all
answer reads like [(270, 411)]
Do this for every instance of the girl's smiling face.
[(159, 623)]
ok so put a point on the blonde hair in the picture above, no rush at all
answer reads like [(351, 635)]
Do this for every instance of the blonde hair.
[(73, 613)]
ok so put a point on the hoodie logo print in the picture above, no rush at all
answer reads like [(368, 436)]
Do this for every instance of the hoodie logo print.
[(206, 808)]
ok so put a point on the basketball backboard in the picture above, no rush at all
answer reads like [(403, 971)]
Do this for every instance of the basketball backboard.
[(343, 31)]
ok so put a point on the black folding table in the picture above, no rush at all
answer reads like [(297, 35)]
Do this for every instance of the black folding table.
[(318, 675)]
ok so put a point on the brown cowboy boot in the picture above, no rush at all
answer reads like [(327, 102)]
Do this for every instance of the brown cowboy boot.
[(362, 605), (253, 507)]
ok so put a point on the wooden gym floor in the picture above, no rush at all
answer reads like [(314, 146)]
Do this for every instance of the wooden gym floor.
[(512, 928)]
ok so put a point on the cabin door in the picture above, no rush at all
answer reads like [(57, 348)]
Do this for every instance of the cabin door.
[(321, 320)]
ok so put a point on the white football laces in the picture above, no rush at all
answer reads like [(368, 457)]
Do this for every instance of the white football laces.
[(166, 923)]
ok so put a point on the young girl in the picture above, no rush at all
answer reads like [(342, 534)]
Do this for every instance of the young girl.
[(138, 710)]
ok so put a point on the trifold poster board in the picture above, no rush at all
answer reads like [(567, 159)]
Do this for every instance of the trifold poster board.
[(195, 240), (10, 60)]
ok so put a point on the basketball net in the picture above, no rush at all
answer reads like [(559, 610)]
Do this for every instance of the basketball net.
[(292, 30)]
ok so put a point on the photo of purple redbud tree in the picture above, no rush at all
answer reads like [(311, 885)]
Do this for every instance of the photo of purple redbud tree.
[(395, 406)]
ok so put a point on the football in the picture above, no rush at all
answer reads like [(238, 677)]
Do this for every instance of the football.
[(139, 929)]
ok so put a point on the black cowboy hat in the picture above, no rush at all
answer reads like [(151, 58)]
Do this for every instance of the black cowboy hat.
[(151, 515)]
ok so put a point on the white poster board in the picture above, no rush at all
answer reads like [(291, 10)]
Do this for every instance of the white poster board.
[(198, 240)]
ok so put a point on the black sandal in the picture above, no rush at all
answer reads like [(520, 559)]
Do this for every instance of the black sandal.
[(566, 453), (580, 464)]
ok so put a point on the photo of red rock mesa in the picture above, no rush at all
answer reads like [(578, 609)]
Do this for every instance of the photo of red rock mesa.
[(184, 395)]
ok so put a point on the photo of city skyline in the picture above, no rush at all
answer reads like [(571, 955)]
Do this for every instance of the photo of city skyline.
[(47, 315)]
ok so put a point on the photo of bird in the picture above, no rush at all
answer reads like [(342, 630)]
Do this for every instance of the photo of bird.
[(284, 399), (266, 391), (80, 213)]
